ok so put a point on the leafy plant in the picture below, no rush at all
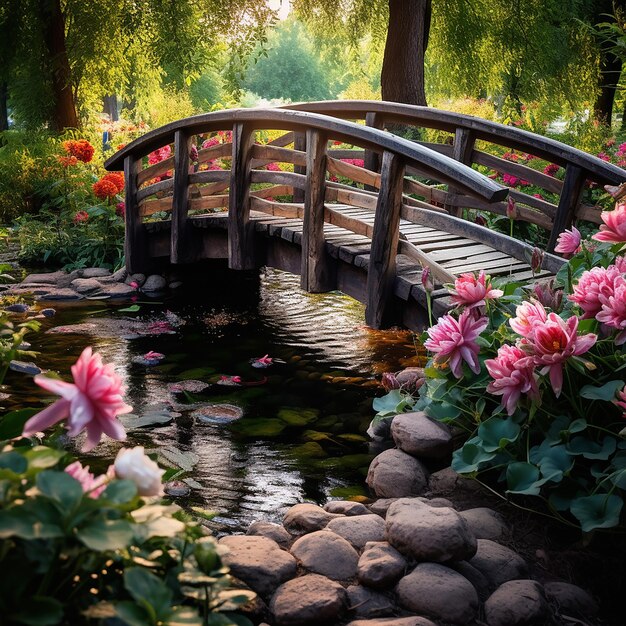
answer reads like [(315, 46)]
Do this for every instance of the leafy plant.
[(11, 340)]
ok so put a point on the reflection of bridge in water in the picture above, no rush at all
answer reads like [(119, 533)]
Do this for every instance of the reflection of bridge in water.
[(368, 242)]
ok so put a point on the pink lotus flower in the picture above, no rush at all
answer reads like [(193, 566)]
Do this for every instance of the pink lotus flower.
[(471, 292), (614, 228), (621, 402), (593, 284), (568, 242), (527, 316), (536, 260), (553, 342), (262, 362), (620, 264), (514, 374), (92, 402), (547, 295), (91, 485), (613, 311), (454, 341), (427, 281), (229, 380)]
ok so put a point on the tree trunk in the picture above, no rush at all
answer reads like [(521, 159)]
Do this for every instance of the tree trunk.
[(109, 105), (4, 108), (64, 109), (610, 72), (402, 76)]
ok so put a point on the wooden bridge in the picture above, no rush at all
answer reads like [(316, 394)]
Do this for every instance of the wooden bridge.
[(368, 236)]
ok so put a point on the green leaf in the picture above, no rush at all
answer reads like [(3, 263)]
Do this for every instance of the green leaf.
[(592, 450), (605, 392), (391, 403), (496, 433), (522, 478), (132, 614), (149, 591), (227, 619), (102, 534), (13, 461), (12, 424), (470, 457), (555, 463), (597, 511), (61, 488), (42, 457), (39, 611), (120, 491), (442, 411), (17, 522), (185, 616), (133, 308)]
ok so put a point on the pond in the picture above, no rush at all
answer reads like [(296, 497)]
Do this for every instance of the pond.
[(303, 431)]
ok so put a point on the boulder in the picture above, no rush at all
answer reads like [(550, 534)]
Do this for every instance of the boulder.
[(304, 518), (359, 529), (395, 474), (50, 278), (381, 565), (416, 434), (486, 523), (118, 290), (96, 272), (60, 294), (85, 285), (259, 562), (381, 506), (517, 603), (481, 584), (326, 553), (497, 563), (447, 481), (364, 602), (154, 282), (571, 600), (140, 279), (308, 600), (120, 275), (272, 531), (438, 592), (346, 507), (428, 533)]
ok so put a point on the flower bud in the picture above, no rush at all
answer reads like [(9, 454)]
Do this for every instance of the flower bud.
[(536, 260), (133, 464), (511, 208), (427, 280)]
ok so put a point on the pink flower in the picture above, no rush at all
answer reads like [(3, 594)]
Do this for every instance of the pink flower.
[(536, 260), (604, 156), (120, 209), (209, 143), (473, 292), (548, 295), (389, 381), (454, 341), (427, 281), (153, 356), (511, 208), (538, 196), (80, 217), (91, 485), (613, 311), (593, 284), (551, 169), (262, 362), (92, 402), (229, 380), (193, 153), (273, 167), (134, 284), (514, 374), (555, 341), (568, 242), (620, 264), (622, 400), (527, 316), (160, 154), (614, 228)]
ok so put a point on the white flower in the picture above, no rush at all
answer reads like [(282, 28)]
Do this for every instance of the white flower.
[(133, 464)]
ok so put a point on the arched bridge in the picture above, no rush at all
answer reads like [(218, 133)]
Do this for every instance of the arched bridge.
[(364, 228)]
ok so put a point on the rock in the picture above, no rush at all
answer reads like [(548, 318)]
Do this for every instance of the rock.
[(259, 562), (310, 599), (118, 290), (395, 474), (25, 367), (517, 603), (140, 279), (380, 565), (177, 489), (497, 563), (261, 528), (438, 592), (437, 502), (393, 621), (326, 553), (359, 529), (447, 481), (304, 518), (416, 434), (50, 278), (85, 285), (17, 308), (410, 376), (381, 506), (154, 282), (96, 272), (571, 600), (175, 284), (345, 507), (48, 312), (364, 602), (428, 533), (485, 523), (481, 584), (120, 275), (379, 430), (60, 294)]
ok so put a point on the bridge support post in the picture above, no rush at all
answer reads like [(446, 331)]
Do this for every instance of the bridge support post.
[(382, 264), (299, 143), (240, 235), (135, 239), (371, 160), (464, 140), (573, 187), (315, 272), (179, 243)]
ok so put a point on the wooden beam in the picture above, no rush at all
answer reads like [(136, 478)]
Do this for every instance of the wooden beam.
[(179, 235), (382, 263), (464, 140), (573, 187), (299, 143), (135, 246), (240, 235), (371, 159), (315, 272)]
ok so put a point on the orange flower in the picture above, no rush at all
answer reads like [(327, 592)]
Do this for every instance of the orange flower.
[(105, 189), (66, 161), (81, 149), (117, 178)]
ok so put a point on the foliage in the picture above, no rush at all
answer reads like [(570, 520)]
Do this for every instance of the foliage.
[(11, 341)]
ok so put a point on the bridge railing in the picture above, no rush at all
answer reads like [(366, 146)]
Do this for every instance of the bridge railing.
[(183, 188), (465, 131)]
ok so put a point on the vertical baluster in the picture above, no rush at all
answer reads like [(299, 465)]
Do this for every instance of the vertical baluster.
[(464, 140), (382, 264), (135, 248), (573, 187), (315, 272), (240, 235), (371, 160), (299, 143), (180, 241)]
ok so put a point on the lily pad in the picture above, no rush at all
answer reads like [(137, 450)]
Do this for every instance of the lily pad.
[(297, 417), (262, 427), (218, 414), (191, 385), (195, 373), (154, 415), (311, 450), (184, 460)]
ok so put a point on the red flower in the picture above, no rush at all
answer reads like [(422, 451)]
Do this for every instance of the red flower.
[(117, 178), (80, 217), (81, 149), (120, 209), (105, 189), (551, 169), (67, 161)]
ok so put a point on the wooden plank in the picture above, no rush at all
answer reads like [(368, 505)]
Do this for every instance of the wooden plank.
[(355, 198), (354, 172), (155, 170), (589, 213), (299, 144), (179, 233), (382, 265), (371, 159), (573, 187), (297, 181), (315, 271), (150, 207), (464, 140), (209, 202), (210, 176), (439, 272), (135, 245), (218, 151), (460, 253), (150, 190), (261, 155), (240, 235)]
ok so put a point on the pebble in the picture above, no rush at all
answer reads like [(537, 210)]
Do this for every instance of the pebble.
[(48, 312), (326, 553), (517, 603), (60, 294), (96, 272), (85, 285), (25, 367), (154, 282), (395, 474), (177, 489), (571, 600), (486, 523), (415, 620), (17, 308)]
